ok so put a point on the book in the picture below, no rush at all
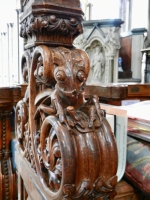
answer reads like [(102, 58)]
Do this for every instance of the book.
[(138, 110), (118, 123), (112, 121), (139, 126), (142, 136), (139, 120)]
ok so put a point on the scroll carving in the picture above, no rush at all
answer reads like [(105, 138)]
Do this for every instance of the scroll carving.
[(65, 139), (25, 64), (65, 130)]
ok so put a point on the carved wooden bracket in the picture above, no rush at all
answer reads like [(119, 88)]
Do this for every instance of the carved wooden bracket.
[(65, 142)]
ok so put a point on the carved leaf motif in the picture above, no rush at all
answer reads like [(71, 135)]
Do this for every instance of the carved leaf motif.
[(105, 188), (99, 189), (50, 160), (37, 25), (39, 71), (25, 65), (22, 119), (69, 191), (22, 130)]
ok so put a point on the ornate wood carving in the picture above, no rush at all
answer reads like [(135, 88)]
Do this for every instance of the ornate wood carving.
[(8, 98), (51, 22), (64, 142)]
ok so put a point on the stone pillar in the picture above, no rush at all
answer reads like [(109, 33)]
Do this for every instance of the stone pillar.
[(20, 47), (143, 68), (1, 63), (90, 10), (136, 55), (4, 57), (148, 25), (111, 70), (10, 51)]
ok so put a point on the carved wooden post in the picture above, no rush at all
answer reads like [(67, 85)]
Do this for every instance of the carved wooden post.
[(66, 149)]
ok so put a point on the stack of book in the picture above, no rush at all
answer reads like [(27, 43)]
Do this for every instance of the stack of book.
[(139, 120), (117, 118), (133, 120)]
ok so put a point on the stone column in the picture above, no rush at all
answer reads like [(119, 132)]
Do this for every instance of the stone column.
[(20, 47), (10, 51), (90, 10), (143, 68), (111, 69), (148, 25), (1, 63), (4, 57), (136, 56)]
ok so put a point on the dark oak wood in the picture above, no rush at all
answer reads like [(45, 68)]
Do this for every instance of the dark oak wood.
[(9, 96), (127, 192), (51, 22), (114, 93), (125, 53), (107, 92), (65, 145)]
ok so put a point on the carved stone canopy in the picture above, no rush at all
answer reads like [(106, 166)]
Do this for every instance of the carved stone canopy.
[(106, 34)]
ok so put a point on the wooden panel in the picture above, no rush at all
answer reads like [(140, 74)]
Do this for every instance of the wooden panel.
[(115, 93), (125, 54), (8, 98), (107, 91), (139, 90), (127, 192)]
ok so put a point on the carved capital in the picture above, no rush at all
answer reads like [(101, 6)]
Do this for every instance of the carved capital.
[(35, 26), (51, 25)]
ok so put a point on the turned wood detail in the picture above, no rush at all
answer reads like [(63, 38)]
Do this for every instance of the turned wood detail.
[(65, 142), (8, 98)]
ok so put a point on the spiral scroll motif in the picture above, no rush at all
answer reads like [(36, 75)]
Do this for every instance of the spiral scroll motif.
[(73, 147), (25, 66)]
